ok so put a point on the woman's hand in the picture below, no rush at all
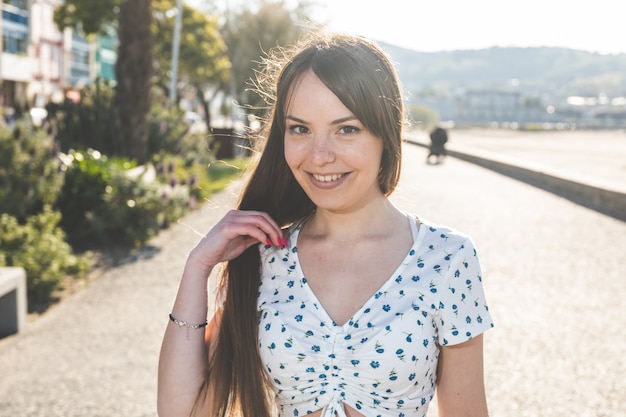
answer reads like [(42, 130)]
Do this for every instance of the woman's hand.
[(232, 235), (183, 364)]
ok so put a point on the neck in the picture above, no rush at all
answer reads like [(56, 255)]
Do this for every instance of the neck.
[(375, 219)]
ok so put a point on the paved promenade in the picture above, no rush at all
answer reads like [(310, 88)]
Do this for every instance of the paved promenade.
[(586, 167), (553, 271)]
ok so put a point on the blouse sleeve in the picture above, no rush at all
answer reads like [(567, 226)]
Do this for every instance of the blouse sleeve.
[(462, 312)]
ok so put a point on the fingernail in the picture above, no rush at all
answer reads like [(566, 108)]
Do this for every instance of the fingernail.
[(268, 242), (283, 241)]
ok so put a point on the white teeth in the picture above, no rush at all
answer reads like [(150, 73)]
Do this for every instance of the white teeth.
[(327, 178)]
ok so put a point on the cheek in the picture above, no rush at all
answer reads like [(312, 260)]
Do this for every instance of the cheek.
[(372, 156), (292, 155)]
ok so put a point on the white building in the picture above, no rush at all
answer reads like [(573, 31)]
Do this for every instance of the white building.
[(39, 63)]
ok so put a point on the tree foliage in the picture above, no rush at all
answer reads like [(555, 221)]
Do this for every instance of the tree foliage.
[(203, 61), (87, 15), (202, 52), (251, 32)]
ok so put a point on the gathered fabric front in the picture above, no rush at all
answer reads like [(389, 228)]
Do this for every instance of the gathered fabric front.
[(383, 361)]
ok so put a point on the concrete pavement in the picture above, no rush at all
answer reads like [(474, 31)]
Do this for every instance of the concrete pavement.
[(586, 167), (553, 273)]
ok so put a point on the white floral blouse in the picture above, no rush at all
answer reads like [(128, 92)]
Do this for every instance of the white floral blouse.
[(383, 361)]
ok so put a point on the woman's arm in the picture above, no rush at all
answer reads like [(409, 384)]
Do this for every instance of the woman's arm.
[(183, 362), (460, 380)]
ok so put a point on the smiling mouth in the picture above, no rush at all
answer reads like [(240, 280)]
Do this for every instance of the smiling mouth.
[(327, 178)]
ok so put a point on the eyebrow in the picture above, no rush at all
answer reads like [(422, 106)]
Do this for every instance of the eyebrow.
[(334, 122)]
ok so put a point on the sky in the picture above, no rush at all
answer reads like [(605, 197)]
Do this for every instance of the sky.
[(439, 25), (442, 25)]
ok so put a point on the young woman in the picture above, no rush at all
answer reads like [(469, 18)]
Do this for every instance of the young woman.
[(336, 302)]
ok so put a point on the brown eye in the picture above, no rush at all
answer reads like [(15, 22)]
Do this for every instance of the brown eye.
[(298, 129), (349, 129)]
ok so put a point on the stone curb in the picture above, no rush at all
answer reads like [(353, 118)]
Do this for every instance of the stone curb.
[(598, 195)]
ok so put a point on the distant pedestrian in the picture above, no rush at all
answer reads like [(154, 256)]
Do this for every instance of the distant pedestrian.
[(438, 139)]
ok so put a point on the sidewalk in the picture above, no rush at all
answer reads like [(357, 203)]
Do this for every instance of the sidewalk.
[(586, 167), (96, 353)]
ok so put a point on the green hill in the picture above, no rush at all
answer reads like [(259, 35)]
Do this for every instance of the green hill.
[(551, 70)]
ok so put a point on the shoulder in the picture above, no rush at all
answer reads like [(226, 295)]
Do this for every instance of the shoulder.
[(441, 249), (443, 236)]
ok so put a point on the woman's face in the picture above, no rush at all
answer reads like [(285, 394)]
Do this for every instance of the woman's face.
[(331, 154)]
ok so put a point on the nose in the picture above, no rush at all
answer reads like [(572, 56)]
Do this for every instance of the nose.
[(322, 152)]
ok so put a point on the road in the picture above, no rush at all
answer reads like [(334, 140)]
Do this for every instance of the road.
[(553, 271), (555, 282)]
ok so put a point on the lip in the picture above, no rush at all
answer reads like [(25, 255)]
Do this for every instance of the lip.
[(328, 181)]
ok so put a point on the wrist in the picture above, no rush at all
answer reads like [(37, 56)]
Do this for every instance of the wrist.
[(197, 264)]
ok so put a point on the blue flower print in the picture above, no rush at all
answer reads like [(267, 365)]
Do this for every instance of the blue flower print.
[(289, 343), (388, 349)]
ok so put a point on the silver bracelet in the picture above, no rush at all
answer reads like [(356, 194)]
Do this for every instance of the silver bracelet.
[(181, 323)]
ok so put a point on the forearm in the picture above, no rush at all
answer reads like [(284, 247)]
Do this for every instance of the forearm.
[(183, 362)]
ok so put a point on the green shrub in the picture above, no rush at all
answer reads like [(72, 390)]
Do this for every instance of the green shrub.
[(88, 124), (39, 247), (134, 210), (30, 175), (422, 116), (103, 203), (86, 179)]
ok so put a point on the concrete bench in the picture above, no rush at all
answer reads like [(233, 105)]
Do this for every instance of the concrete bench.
[(13, 303)]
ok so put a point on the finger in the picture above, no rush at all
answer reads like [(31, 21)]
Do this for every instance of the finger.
[(271, 233)]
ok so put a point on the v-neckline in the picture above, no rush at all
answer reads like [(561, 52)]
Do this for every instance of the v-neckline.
[(417, 233)]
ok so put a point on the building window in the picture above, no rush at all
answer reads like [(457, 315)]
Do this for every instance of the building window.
[(22, 4), (14, 42)]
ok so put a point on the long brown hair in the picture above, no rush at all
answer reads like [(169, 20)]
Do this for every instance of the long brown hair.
[(362, 76)]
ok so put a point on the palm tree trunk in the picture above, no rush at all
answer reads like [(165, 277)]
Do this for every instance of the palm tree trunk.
[(134, 70)]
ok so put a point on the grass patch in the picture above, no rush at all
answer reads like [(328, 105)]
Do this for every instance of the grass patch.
[(222, 172)]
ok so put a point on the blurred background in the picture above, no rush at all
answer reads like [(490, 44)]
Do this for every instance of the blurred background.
[(122, 120)]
